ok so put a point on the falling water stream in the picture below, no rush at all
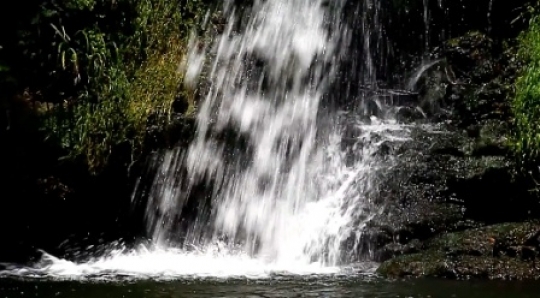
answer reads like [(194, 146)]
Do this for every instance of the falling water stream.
[(291, 180)]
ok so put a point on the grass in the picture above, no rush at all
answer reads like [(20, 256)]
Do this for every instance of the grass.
[(113, 67), (526, 102)]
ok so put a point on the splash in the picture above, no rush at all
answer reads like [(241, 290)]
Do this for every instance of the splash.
[(163, 264)]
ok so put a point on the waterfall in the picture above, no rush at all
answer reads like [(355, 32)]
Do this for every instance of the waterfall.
[(272, 184), (278, 178), (286, 185)]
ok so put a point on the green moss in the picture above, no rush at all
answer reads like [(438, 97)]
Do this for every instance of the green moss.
[(526, 103)]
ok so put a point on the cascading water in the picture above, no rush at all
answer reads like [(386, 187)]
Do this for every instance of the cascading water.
[(292, 180), (262, 186), (286, 189)]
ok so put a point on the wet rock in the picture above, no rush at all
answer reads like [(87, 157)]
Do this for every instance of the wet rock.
[(372, 108), (440, 185), (469, 54), (395, 249), (385, 149), (180, 105), (409, 115), (480, 75), (459, 175), (419, 264), (179, 128), (488, 138), (494, 252), (456, 184), (403, 98)]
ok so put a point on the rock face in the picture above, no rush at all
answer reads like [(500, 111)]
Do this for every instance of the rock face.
[(447, 186), (442, 185), (455, 188)]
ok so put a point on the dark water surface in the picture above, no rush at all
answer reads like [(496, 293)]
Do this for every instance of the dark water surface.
[(276, 287)]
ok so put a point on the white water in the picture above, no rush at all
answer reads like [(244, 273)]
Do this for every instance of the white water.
[(413, 80), (296, 196), (164, 264)]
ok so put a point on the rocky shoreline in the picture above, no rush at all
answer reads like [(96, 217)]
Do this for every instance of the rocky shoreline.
[(501, 251)]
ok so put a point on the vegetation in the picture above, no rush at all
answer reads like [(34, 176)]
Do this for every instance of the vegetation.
[(526, 103), (95, 72)]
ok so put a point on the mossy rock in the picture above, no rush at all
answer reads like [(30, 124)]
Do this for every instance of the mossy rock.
[(461, 267), (488, 138), (486, 73), (418, 264), (483, 241), (503, 251), (472, 51)]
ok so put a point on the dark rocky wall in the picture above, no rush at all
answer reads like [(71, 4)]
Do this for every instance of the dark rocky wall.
[(55, 205), (458, 206), (396, 30)]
